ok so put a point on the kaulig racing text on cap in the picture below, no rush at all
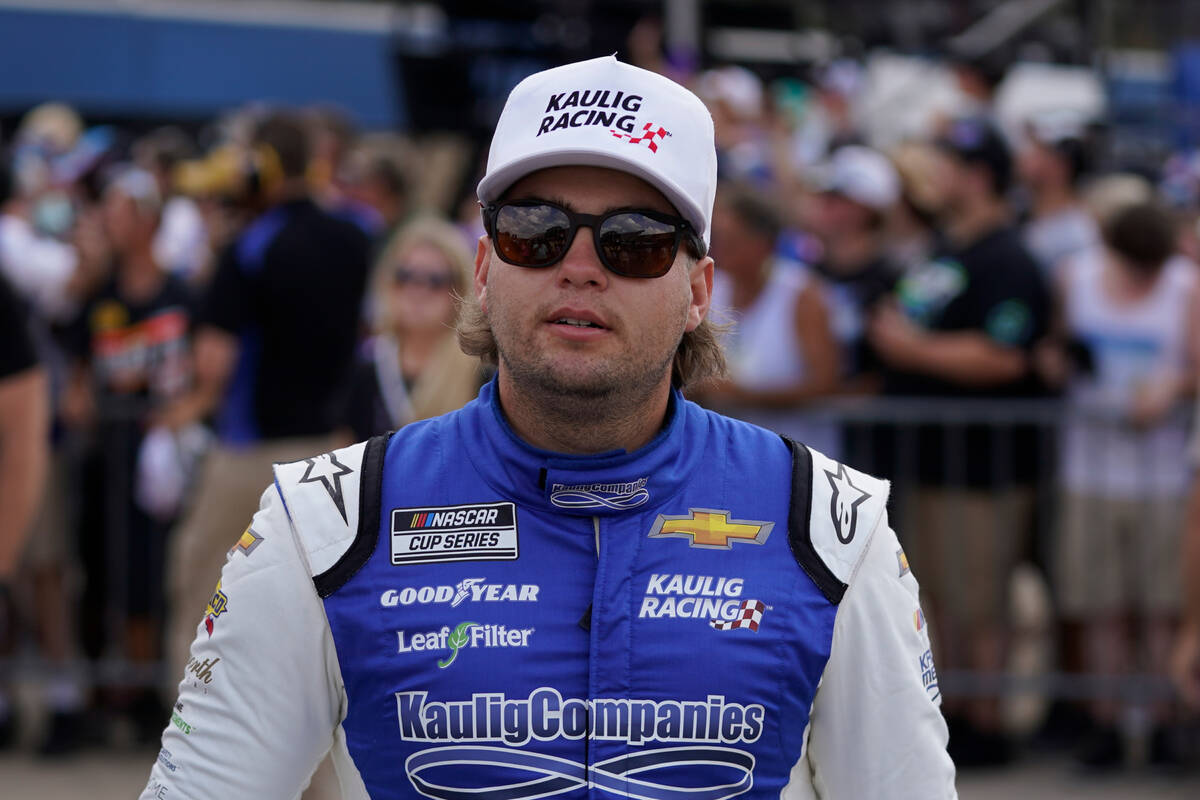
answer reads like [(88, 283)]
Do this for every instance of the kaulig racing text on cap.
[(603, 113)]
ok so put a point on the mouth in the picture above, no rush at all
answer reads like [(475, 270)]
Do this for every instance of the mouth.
[(577, 320), (577, 323)]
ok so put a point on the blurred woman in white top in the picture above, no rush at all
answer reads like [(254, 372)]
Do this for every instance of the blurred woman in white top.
[(1131, 311), (780, 347)]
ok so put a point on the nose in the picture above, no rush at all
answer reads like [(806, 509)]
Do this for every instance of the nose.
[(581, 265)]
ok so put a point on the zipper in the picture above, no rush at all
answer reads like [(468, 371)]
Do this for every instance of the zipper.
[(587, 738)]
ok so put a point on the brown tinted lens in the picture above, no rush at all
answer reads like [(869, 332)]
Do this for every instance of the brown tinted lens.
[(638, 246), (532, 236)]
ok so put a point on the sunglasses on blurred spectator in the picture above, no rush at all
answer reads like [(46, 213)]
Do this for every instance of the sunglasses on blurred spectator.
[(403, 276), (630, 243)]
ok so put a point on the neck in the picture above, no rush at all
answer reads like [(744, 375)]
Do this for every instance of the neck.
[(416, 347), (578, 425), (139, 275), (1051, 200), (975, 220)]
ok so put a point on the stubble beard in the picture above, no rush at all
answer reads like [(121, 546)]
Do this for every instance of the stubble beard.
[(598, 389)]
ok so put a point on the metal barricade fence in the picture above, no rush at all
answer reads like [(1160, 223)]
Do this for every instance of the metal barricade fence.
[(994, 444)]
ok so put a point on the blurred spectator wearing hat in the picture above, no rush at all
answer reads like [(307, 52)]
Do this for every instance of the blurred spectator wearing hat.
[(964, 326), (1130, 351), (734, 96), (780, 348), (912, 225), (52, 254), (374, 183), (413, 368), (131, 350), (858, 190), (273, 352), (181, 245), (1051, 163)]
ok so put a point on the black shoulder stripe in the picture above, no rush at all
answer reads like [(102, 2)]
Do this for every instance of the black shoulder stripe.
[(800, 522), (370, 490)]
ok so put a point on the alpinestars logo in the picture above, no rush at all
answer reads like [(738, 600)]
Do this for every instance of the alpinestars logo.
[(649, 135), (328, 471), (844, 503)]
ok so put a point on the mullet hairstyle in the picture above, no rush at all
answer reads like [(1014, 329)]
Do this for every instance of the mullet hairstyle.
[(699, 358)]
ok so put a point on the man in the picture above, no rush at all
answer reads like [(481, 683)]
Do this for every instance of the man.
[(963, 326), (24, 445), (1051, 163), (129, 351), (858, 190), (272, 351), (553, 556)]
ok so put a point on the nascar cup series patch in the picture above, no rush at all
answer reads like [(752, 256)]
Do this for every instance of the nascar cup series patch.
[(478, 532)]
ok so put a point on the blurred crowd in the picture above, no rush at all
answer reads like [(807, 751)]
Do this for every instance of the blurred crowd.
[(203, 305)]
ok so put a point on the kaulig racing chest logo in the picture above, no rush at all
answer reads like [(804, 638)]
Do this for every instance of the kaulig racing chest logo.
[(478, 532), (719, 600), (602, 108), (700, 732)]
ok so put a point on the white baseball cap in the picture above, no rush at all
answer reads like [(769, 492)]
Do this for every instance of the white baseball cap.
[(863, 175), (602, 113)]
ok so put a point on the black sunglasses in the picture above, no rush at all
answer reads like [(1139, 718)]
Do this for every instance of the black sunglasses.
[(632, 243), (403, 276)]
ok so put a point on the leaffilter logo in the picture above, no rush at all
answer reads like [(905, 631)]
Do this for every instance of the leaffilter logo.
[(456, 640)]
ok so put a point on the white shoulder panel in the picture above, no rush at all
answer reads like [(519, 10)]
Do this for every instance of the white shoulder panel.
[(321, 496), (846, 505)]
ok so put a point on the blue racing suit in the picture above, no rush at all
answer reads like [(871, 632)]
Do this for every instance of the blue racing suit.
[(456, 614)]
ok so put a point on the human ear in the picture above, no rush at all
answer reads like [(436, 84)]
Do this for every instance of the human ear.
[(700, 280)]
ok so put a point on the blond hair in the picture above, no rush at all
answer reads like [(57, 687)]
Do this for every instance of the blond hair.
[(452, 378), (428, 230)]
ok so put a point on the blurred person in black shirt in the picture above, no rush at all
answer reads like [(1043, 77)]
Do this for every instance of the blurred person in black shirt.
[(964, 326), (273, 353), (131, 353), (24, 437), (413, 367), (858, 189)]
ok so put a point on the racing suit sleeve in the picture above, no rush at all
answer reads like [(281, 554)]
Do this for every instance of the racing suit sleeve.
[(876, 724), (260, 702)]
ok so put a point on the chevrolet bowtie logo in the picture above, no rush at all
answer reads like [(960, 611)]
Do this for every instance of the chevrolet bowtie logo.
[(710, 528)]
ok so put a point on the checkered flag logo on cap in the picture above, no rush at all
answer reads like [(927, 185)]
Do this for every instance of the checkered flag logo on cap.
[(648, 136), (750, 614)]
